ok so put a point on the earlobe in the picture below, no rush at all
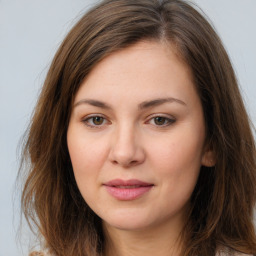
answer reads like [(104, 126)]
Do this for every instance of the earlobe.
[(209, 158)]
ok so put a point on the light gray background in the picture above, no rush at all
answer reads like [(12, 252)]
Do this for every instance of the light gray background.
[(30, 32)]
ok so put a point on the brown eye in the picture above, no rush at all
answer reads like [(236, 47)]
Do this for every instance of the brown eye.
[(159, 120), (97, 120)]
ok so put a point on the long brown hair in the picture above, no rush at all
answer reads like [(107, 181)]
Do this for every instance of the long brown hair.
[(223, 200)]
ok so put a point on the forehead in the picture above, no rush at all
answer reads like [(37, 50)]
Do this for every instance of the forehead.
[(147, 69), (152, 55)]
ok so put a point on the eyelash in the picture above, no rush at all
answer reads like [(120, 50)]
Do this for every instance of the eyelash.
[(87, 120), (167, 121)]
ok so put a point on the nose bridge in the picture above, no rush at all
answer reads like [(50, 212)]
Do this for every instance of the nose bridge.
[(126, 149)]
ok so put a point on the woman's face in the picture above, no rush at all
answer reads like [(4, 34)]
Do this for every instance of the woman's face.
[(136, 138)]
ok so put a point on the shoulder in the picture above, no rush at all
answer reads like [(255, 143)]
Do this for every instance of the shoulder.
[(228, 252)]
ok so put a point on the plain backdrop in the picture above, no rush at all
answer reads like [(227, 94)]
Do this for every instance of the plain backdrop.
[(30, 33)]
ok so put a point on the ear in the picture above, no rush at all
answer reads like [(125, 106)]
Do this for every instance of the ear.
[(208, 158)]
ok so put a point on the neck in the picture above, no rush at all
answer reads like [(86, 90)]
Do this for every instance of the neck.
[(162, 240)]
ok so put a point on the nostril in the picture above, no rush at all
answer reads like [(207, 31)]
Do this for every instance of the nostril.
[(125, 164), (133, 162)]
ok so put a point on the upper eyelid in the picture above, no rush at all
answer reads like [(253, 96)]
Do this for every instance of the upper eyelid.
[(168, 116), (89, 116), (170, 119), (147, 117), (93, 115), (86, 119)]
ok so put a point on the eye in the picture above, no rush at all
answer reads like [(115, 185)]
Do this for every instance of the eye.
[(161, 121), (95, 121)]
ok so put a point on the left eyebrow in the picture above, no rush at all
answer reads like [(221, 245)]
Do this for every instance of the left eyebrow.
[(157, 102)]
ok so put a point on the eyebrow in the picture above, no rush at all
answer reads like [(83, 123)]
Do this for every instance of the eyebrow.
[(95, 103), (143, 105), (157, 102)]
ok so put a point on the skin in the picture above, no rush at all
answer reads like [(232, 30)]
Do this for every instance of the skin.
[(127, 141)]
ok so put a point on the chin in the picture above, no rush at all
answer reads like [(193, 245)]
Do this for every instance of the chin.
[(127, 225), (128, 220)]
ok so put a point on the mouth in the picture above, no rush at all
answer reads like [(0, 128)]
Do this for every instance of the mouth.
[(127, 190)]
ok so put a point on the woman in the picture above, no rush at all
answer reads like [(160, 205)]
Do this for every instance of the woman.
[(140, 143)]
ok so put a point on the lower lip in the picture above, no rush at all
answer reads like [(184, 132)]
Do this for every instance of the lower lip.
[(127, 194)]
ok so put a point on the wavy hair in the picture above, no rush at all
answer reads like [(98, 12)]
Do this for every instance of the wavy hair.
[(222, 203)]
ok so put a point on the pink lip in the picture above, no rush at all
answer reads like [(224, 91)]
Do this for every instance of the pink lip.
[(127, 189)]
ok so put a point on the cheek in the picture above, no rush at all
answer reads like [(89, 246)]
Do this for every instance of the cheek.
[(87, 153), (176, 168), (87, 156), (177, 153), (177, 162)]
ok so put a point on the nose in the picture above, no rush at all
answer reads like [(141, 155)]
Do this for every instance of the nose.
[(126, 148)]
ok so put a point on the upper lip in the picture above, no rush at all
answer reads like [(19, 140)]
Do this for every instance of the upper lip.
[(132, 182)]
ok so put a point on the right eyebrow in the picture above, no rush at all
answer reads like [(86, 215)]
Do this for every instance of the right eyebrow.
[(95, 103)]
